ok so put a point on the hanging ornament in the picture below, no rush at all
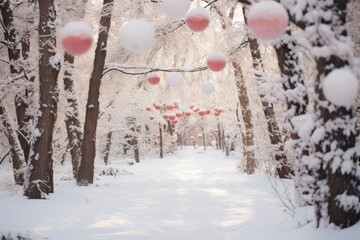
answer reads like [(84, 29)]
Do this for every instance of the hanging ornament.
[(172, 117), (151, 118), (175, 79), (200, 136), (187, 114), (174, 121), (169, 107), (179, 114), (137, 36), (340, 87), (175, 8), (153, 79), (76, 38), (267, 20), (148, 109), (166, 116), (216, 61), (202, 113), (208, 87), (197, 19), (157, 106)]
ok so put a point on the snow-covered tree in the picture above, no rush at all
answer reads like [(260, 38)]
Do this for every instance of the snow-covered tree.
[(39, 180)]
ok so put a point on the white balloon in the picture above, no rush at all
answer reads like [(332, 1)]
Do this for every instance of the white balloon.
[(175, 79), (175, 8), (137, 36), (208, 87), (192, 120), (340, 87)]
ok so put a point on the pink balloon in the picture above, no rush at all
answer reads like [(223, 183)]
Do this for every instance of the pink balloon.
[(76, 45), (197, 19), (216, 61), (267, 20), (153, 80)]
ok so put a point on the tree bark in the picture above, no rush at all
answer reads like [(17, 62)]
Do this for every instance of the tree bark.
[(337, 193), (40, 172), (282, 168), (297, 102), (86, 170), (161, 141), (248, 139), (17, 155), (72, 121), (107, 147)]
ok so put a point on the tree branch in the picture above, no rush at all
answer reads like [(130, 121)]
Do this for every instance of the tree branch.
[(131, 70), (3, 157)]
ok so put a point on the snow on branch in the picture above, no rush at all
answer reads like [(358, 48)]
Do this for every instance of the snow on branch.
[(134, 70)]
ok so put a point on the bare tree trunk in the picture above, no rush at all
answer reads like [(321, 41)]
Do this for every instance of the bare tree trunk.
[(86, 170), (107, 147), (16, 49), (170, 128), (219, 135), (283, 170), (17, 155), (40, 172), (72, 120), (22, 101), (248, 139), (161, 141)]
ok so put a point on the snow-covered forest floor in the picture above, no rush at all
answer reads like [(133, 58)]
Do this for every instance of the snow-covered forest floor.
[(192, 194)]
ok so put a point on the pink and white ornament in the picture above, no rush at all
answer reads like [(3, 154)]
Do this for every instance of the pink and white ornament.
[(267, 20), (76, 38), (216, 61), (197, 19)]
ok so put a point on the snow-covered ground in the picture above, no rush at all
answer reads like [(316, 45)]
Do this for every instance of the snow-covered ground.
[(189, 195)]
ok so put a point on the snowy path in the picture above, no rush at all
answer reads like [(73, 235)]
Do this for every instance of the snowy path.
[(190, 195)]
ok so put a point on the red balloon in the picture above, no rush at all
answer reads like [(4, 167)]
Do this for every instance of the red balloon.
[(202, 113), (166, 116), (169, 107), (200, 136), (217, 114), (156, 106), (151, 118), (191, 106), (192, 138), (174, 122), (148, 109), (207, 112), (179, 114), (153, 80), (265, 24), (76, 45), (216, 65), (187, 114), (172, 117), (197, 19)]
